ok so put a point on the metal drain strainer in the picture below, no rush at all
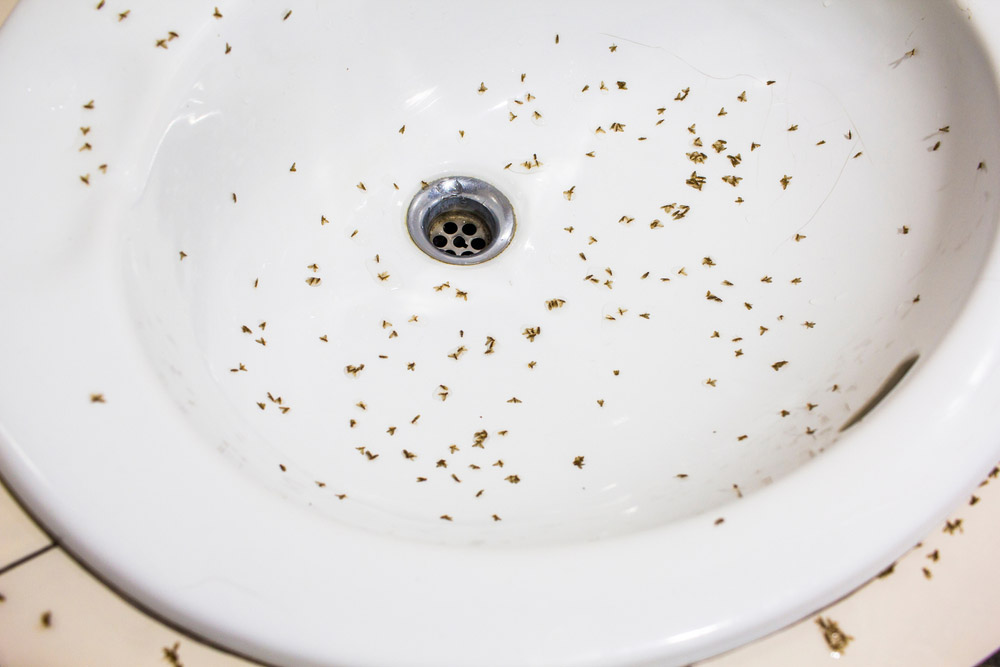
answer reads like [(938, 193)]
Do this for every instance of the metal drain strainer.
[(461, 220)]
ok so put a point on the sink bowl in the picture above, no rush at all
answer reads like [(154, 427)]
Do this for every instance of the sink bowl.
[(737, 356)]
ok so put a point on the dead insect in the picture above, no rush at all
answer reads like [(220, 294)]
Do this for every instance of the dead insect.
[(617, 127), (681, 96), (778, 365), (261, 341), (719, 145), (183, 255), (217, 14), (124, 15), (482, 88), (712, 297), (383, 276), (793, 128), (799, 237), (696, 157), (313, 281), (552, 304), (808, 325), (695, 181), (785, 180), (515, 399), (711, 382), (732, 180), (531, 332), (742, 97), (722, 112), (228, 48), (936, 146), (513, 479), (457, 353), (568, 194), (835, 638)]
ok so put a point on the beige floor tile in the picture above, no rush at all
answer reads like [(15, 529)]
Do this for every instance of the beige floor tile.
[(19, 536)]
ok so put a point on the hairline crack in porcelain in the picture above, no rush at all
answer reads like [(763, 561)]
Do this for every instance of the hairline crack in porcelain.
[(728, 238)]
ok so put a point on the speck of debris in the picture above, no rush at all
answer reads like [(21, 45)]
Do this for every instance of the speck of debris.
[(47, 619)]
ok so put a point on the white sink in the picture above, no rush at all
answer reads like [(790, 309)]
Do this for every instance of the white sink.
[(649, 430)]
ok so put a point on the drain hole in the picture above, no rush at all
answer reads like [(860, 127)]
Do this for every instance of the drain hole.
[(460, 217), (890, 383)]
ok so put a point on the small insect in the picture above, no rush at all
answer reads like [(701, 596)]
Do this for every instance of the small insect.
[(100, 5), (778, 365), (625, 220), (860, 153), (287, 15), (531, 332), (86, 179), (617, 127), (591, 241), (747, 305), (228, 48), (707, 261), (808, 325), (162, 43), (696, 141), (568, 194), (981, 166), (515, 399), (695, 181), (313, 281), (785, 180), (835, 638), (512, 116), (722, 112), (602, 86), (217, 14), (696, 157), (936, 146), (719, 521), (764, 330), (821, 142), (849, 135), (681, 96), (796, 281), (552, 304), (712, 297), (459, 294), (557, 38), (799, 237), (531, 364), (951, 526), (482, 88), (171, 36), (742, 97), (513, 479), (124, 15), (446, 517), (85, 147), (261, 341), (457, 353), (732, 180), (361, 404), (711, 382), (383, 276)]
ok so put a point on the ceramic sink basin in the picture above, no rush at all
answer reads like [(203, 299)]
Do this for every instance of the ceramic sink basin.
[(739, 354)]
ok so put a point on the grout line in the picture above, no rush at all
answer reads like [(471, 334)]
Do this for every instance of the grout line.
[(21, 561)]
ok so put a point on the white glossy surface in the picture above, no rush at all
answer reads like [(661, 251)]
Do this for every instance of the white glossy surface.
[(235, 124)]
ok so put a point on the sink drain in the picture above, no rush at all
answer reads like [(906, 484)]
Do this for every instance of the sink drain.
[(461, 220)]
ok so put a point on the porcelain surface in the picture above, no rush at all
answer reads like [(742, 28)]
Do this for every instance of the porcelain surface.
[(236, 388)]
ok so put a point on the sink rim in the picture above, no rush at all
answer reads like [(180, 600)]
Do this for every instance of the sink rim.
[(940, 368)]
